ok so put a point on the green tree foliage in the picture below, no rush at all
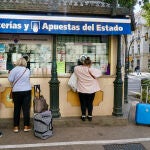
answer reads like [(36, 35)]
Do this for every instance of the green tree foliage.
[(124, 3), (127, 3), (146, 1), (146, 13)]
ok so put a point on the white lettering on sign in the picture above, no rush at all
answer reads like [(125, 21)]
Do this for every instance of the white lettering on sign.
[(99, 27), (10, 25), (88, 27), (26, 27), (64, 27)]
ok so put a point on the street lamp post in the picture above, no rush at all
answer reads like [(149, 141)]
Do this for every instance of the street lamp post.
[(127, 55), (131, 42), (128, 52), (54, 85), (117, 110), (126, 72)]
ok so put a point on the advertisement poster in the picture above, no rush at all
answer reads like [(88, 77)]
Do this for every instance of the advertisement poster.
[(60, 67), (2, 65)]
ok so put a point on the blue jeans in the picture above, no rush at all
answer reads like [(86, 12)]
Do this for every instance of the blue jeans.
[(22, 100)]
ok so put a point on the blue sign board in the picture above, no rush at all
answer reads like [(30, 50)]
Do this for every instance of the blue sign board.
[(63, 25)]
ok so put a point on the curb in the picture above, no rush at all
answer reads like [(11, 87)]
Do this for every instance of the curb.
[(75, 122)]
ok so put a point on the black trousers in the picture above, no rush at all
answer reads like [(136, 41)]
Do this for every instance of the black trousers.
[(86, 101), (22, 100)]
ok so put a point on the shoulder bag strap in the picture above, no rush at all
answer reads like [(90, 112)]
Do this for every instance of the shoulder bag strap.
[(91, 74), (19, 77)]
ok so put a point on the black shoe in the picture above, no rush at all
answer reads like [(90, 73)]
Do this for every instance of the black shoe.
[(89, 118), (83, 118), (1, 134)]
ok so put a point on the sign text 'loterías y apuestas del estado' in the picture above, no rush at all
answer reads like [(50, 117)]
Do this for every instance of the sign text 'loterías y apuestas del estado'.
[(63, 25)]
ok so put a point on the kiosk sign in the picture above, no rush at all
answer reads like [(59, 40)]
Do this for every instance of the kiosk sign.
[(29, 24)]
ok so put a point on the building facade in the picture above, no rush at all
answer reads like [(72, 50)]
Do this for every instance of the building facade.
[(139, 45), (55, 34)]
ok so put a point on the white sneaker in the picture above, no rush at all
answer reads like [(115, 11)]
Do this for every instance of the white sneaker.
[(27, 128)]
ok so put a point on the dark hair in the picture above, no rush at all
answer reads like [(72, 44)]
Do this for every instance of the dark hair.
[(87, 61), (26, 57), (79, 62)]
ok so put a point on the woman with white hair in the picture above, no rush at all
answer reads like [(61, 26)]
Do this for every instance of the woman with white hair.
[(20, 79)]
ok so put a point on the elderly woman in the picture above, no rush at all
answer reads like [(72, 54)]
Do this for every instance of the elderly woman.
[(20, 79), (87, 85)]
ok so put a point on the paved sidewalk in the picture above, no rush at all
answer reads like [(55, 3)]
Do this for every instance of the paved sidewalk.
[(86, 136), (73, 134)]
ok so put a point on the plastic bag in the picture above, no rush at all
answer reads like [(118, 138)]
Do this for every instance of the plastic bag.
[(73, 82)]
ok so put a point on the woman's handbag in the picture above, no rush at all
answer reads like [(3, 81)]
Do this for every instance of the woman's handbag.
[(10, 94), (39, 102), (73, 82)]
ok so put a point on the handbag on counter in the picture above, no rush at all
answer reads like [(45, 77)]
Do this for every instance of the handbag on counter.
[(73, 82)]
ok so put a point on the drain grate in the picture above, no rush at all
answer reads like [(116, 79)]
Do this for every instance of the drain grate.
[(130, 146)]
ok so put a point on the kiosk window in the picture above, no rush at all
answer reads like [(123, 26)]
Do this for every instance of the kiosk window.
[(40, 56), (71, 48)]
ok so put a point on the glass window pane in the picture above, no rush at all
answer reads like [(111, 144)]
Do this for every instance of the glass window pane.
[(37, 49), (71, 48)]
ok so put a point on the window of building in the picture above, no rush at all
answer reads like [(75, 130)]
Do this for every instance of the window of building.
[(138, 52), (138, 62), (71, 48), (38, 48), (132, 49), (149, 64)]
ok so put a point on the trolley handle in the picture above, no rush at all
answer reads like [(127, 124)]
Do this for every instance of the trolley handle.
[(37, 89)]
